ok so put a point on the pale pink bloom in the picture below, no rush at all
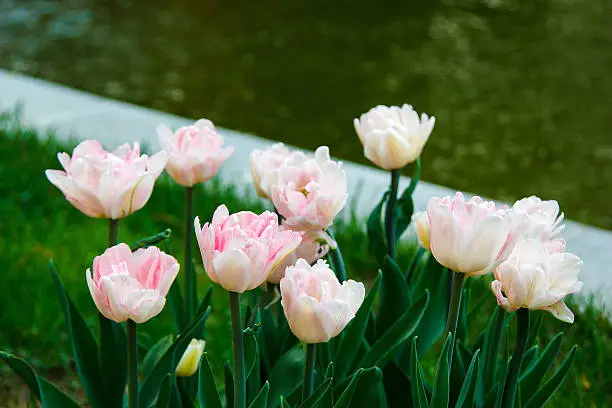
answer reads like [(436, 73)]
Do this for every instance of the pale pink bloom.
[(102, 184), (535, 278), (195, 153), (392, 136), (421, 226), (316, 305), (265, 165), (131, 285), (240, 250), (472, 236), (315, 245), (310, 192), (538, 218)]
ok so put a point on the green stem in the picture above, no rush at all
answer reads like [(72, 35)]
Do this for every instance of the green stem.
[(390, 213), (493, 348), (311, 352), (337, 260), (132, 365), (113, 232), (517, 358), (190, 292), (455, 304), (237, 341)]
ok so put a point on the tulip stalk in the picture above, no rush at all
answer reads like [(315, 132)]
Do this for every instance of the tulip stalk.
[(517, 358), (390, 213), (309, 368), (190, 292), (132, 354), (113, 232), (455, 304), (337, 260), (238, 344)]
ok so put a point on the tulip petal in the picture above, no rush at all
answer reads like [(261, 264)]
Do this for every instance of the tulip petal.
[(561, 312)]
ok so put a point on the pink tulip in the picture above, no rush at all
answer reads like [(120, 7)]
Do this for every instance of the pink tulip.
[(107, 185), (316, 305), (127, 285), (265, 165), (472, 236), (240, 250), (535, 277), (195, 153), (314, 245), (310, 192)]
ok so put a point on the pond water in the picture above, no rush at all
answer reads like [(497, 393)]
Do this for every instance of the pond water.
[(521, 90)]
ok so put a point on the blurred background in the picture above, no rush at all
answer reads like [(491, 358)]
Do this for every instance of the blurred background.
[(521, 89)]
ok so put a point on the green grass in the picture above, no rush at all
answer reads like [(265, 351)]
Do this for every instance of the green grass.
[(37, 223)]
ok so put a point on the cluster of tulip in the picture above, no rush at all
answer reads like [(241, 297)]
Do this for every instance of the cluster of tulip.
[(361, 350)]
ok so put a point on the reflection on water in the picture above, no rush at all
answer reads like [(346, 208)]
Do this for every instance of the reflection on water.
[(521, 89)]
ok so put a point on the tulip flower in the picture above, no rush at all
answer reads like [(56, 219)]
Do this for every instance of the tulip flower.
[(421, 225), (536, 278), (240, 250), (393, 137), (470, 236), (131, 285), (309, 193), (189, 362), (314, 245), (195, 153), (538, 218), (107, 185), (265, 165), (316, 305)]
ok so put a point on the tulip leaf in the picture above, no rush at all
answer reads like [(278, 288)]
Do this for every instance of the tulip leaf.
[(441, 388), (530, 357), (396, 385), (389, 342), (169, 360), (113, 349), (84, 348), (261, 399), (532, 377), (541, 396), (419, 396), (200, 331), (175, 301), (287, 375), (466, 396), (369, 391), (229, 385), (251, 351), (165, 392), (394, 295), (376, 235), (284, 403), (317, 394), (354, 332), (405, 204), (155, 353), (347, 395), (208, 396), (47, 393), (433, 277)]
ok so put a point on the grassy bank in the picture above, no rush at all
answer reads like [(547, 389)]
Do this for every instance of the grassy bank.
[(37, 224)]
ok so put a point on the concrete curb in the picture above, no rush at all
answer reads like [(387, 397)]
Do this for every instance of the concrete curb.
[(75, 114)]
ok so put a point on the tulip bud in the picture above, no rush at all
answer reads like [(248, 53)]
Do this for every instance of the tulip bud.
[(421, 226), (190, 360), (316, 305), (392, 136)]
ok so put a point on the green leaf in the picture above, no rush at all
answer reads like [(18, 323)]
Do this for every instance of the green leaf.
[(284, 403), (155, 353), (84, 347), (165, 392), (419, 397), (113, 349), (347, 395), (376, 234), (251, 351), (52, 397), (405, 204), (152, 240), (175, 301), (532, 377), (317, 394), (440, 394), (466, 396), (433, 277), (541, 397), (530, 357), (23, 370), (354, 332), (286, 375), (369, 391), (394, 295), (207, 389), (389, 342), (261, 399), (396, 385), (200, 330), (229, 385), (169, 360)]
